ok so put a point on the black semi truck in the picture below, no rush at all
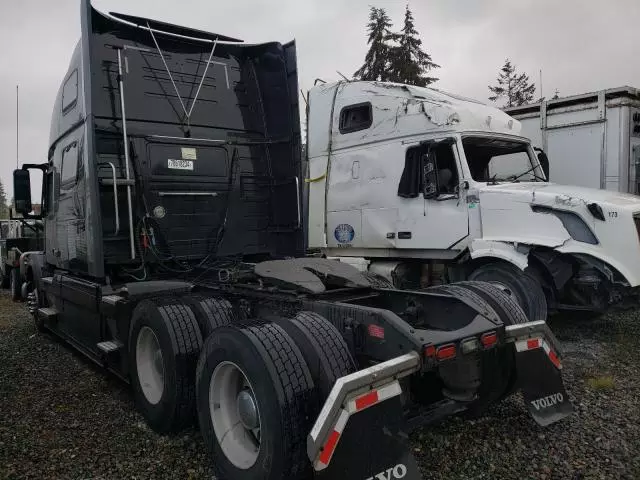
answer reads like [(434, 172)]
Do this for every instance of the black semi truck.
[(175, 257)]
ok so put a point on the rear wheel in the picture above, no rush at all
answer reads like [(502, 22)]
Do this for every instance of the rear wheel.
[(523, 288), (14, 277), (323, 348), (254, 392), (498, 366), (164, 343), (211, 312)]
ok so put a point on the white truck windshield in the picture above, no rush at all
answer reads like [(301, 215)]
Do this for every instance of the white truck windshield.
[(498, 160)]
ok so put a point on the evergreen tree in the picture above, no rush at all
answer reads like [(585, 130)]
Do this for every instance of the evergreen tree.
[(377, 59), (409, 63), (514, 87), (4, 209)]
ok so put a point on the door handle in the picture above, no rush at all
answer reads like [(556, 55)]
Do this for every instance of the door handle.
[(355, 170)]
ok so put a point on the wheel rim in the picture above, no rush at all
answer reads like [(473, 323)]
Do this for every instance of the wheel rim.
[(150, 365), (235, 415)]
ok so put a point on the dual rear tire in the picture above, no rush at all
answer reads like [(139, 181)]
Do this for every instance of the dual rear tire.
[(254, 387)]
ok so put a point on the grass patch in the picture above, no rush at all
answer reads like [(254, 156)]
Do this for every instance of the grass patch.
[(603, 382)]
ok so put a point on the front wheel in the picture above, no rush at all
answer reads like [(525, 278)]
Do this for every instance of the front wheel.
[(523, 288), (254, 391)]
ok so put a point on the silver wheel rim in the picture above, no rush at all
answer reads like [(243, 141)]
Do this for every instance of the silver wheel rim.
[(235, 415), (150, 365)]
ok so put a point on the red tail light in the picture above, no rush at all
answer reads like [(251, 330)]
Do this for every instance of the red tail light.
[(489, 339), (429, 351), (376, 331), (446, 352)]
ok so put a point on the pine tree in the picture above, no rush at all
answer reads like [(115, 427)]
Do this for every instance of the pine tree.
[(514, 87), (377, 59), (4, 209), (409, 63)]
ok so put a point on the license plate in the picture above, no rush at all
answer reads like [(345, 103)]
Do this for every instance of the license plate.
[(180, 164)]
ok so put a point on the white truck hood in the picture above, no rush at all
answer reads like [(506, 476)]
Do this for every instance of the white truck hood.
[(509, 214)]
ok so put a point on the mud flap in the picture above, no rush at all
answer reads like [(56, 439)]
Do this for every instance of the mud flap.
[(540, 379), (361, 432), (374, 445)]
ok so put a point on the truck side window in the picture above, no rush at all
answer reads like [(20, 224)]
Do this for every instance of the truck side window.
[(447, 174), (70, 92), (69, 166), (356, 117)]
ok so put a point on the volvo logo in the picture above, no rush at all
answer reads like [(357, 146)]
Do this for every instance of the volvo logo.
[(399, 471), (548, 401)]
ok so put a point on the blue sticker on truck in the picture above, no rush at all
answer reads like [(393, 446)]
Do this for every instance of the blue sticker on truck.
[(344, 233)]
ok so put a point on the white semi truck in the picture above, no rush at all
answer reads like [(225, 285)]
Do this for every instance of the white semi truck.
[(424, 187)]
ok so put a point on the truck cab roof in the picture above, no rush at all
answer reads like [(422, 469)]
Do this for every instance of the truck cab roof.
[(366, 111)]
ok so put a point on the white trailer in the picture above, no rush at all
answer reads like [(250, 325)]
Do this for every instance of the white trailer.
[(592, 140), (425, 187)]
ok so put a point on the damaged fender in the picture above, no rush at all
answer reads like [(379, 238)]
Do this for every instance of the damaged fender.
[(502, 250)]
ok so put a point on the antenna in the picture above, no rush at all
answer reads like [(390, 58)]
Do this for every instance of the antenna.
[(541, 95), (17, 123)]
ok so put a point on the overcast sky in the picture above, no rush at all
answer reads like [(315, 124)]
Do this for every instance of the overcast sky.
[(581, 45)]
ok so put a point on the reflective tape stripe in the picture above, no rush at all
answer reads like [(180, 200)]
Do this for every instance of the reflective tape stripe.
[(365, 401), (332, 442), (533, 343)]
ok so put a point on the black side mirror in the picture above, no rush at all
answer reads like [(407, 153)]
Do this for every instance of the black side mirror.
[(22, 191), (544, 162), (429, 175)]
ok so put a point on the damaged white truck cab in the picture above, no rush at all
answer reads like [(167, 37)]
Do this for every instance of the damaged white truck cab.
[(429, 187)]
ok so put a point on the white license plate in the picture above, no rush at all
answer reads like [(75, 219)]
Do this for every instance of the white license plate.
[(180, 164)]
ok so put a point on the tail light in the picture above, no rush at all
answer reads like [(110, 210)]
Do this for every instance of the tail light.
[(446, 352), (489, 339)]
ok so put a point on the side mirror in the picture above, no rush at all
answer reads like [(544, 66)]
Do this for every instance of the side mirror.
[(544, 162), (429, 176), (22, 191)]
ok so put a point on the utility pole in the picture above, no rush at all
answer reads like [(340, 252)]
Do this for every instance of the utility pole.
[(17, 124)]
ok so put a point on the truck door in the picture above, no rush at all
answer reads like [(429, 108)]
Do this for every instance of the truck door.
[(433, 211), (70, 249)]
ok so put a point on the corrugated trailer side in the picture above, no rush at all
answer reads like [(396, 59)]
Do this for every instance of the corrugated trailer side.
[(592, 140)]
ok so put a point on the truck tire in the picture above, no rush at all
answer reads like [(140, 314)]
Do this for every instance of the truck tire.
[(498, 369), (378, 281), (254, 395), (164, 343), (4, 278), (210, 312), (523, 288), (505, 305), (323, 349), (14, 278)]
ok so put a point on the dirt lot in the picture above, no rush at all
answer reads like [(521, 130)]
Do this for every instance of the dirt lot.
[(62, 418)]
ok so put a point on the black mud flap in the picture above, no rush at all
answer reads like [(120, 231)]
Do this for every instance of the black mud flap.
[(373, 445), (541, 383)]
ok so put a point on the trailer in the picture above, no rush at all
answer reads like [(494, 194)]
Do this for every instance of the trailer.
[(592, 140), (426, 187), (175, 258)]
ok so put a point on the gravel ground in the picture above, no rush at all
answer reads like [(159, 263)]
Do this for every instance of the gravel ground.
[(62, 418)]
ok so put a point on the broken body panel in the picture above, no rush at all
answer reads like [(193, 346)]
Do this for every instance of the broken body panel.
[(367, 197)]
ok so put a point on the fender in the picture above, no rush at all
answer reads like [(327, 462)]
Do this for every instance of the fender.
[(517, 256)]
